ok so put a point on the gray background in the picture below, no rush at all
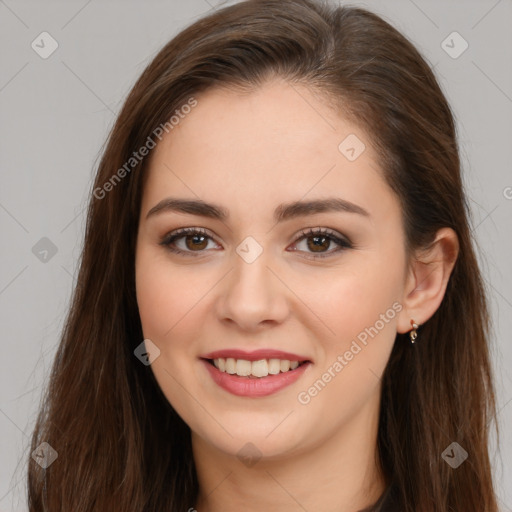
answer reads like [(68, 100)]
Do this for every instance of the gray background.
[(56, 113)]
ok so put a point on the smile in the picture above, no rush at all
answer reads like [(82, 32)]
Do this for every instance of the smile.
[(258, 378)]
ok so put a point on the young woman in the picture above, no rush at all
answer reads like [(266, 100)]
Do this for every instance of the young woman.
[(278, 305)]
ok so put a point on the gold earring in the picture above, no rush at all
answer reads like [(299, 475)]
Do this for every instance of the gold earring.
[(413, 334)]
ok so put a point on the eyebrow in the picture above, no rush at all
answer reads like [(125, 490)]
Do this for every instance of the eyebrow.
[(283, 212)]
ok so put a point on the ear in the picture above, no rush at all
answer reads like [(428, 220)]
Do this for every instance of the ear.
[(427, 278)]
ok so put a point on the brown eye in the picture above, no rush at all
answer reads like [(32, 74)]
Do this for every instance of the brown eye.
[(318, 242), (195, 241)]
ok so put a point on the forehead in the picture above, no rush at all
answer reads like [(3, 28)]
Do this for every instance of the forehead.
[(278, 142)]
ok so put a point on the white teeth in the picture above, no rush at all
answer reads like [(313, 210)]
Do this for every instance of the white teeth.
[(274, 366), (230, 365), (243, 367), (284, 365), (260, 368)]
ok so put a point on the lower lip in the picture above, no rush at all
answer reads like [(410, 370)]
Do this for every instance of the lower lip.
[(254, 387)]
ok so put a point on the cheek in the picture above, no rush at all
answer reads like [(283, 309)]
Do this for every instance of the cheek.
[(350, 301), (361, 309), (164, 295), (168, 299), (361, 306)]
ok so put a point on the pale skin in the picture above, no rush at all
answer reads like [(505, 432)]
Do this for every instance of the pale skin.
[(248, 153)]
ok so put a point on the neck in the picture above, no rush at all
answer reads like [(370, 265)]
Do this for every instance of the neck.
[(340, 474)]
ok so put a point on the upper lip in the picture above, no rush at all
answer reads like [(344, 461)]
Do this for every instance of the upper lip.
[(255, 355)]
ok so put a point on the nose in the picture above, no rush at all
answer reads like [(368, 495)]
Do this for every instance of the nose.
[(253, 295)]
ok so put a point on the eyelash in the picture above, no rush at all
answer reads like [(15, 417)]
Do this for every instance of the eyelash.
[(344, 243)]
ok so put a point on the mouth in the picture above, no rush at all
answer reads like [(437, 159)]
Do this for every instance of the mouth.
[(254, 375)]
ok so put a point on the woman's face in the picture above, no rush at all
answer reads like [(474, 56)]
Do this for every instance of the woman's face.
[(259, 290)]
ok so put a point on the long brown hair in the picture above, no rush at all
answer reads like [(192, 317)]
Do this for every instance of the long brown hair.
[(120, 444)]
